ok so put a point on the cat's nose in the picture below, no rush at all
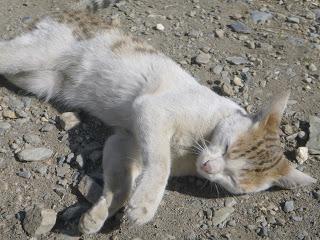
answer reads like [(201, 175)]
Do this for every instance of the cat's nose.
[(207, 167)]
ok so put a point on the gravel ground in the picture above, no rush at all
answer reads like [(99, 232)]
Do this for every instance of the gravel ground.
[(245, 49)]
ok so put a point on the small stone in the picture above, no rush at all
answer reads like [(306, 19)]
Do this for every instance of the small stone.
[(39, 221), (4, 126), (312, 67), (297, 218), (79, 161), (232, 223), (288, 206), (47, 128), (3, 163), (42, 170), (160, 27), (230, 202), (203, 58), (219, 33), (35, 154), (221, 215), (68, 120), (280, 221), (316, 194), (217, 69), (240, 27), (302, 155), (9, 114), (63, 171), (288, 129), (32, 139), (293, 20), (227, 90), (263, 232), (237, 60), (260, 17), (90, 189), (314, 137), (24, 173), (237, 81)]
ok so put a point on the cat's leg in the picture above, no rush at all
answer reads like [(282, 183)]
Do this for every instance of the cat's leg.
[(153, 129), (35, 50), (45, 84), (121, 166)]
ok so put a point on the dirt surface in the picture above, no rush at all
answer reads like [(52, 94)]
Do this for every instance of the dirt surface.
[(281, 53)]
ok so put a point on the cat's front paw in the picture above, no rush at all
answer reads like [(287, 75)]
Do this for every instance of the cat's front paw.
[(140, 214), (88, 224)]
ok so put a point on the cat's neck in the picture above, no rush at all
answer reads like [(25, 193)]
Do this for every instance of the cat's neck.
[(220, 109)]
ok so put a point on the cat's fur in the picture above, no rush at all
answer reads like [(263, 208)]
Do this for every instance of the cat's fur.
[(161, 112)]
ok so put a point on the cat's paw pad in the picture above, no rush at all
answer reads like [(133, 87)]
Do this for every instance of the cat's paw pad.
[(88, 224), (140, 215)]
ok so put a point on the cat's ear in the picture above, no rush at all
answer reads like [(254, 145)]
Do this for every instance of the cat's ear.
[(294, 178), (270, 117)]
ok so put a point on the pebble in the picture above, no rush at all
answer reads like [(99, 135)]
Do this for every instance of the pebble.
[(260, 17), (297, 218), (227, 90), (4, 126), (240, 27), (3, 163), (314, 136), (219, 33), (221, 215), (39, 221), (203, 58), (160, 27), (263, 232), (316, 194), (217, 69), (237, 81), (89, 189), (68, 120), (302, 155), (42, 170), (35, 154), (237, 60), (293, 20), (288, 206), (9, 114), (312, 67), (47, 128), (79, 161), (32, 139), (24, 173)]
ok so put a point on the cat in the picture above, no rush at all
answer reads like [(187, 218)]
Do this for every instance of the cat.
[(167, 124)]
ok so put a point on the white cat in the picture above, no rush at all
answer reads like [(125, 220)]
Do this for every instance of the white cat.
[(161, 112)]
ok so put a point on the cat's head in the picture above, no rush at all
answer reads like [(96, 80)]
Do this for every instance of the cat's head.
[(245, 155)]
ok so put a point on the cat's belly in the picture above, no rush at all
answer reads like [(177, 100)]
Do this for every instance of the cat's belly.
[(183, 156)]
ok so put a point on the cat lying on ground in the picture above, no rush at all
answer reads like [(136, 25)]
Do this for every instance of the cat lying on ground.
[(162, 114)]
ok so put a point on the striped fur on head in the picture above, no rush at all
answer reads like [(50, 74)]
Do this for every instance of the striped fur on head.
[(253, 159)]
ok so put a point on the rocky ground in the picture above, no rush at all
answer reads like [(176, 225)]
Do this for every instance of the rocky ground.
[(247, 50)]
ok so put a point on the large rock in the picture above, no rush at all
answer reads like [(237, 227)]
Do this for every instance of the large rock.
[(39, 221), (314, 138), (35, 154)]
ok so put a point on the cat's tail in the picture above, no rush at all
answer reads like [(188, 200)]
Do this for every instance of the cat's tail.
[(94, 5)]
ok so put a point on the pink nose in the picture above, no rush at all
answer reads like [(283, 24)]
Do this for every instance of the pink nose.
[(207, 167)]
